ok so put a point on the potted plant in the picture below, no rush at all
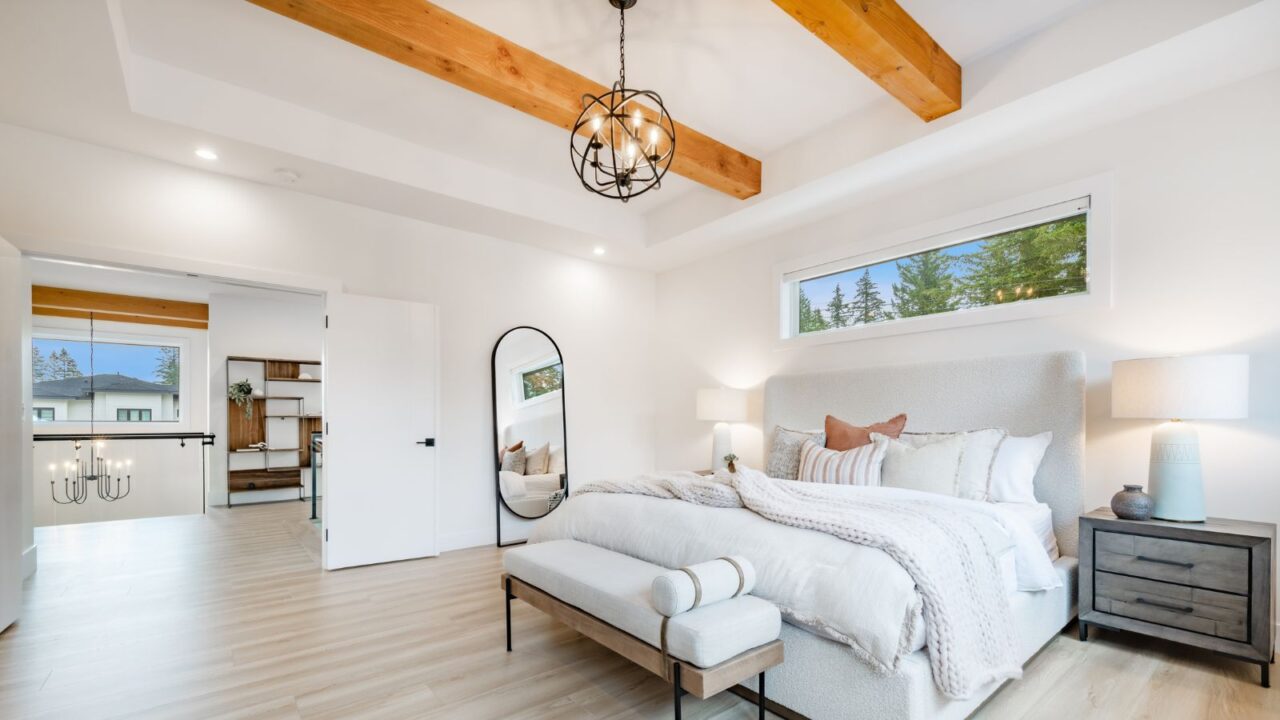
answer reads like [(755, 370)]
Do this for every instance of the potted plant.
[(730, 459), (242, 394)]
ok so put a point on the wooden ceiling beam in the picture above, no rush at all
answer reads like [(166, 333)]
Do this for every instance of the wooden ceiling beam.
[(429, 38), (879, 38)]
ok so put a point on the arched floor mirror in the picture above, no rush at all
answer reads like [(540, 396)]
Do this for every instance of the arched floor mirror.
[(531, 461)]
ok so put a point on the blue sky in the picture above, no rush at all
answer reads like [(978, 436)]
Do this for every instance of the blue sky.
[(137, 361), (884, 275)]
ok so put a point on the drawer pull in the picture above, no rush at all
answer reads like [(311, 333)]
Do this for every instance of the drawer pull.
[(1175, 563), (1153, 603)]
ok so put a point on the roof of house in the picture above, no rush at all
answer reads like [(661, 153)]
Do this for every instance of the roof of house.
[(78, 387)]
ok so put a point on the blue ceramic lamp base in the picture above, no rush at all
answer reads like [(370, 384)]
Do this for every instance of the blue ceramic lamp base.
[(1176, 485)]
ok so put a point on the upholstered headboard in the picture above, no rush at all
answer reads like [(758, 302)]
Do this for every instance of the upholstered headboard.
[(535, 431), (1027, 394)]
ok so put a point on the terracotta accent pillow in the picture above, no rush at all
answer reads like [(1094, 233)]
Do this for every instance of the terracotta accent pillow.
[(844, 436)]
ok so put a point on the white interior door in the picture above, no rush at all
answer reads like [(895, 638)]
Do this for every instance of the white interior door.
[(13, 411), (379, 408)]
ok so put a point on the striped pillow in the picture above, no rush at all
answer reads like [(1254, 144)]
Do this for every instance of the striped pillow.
[(859, 466)]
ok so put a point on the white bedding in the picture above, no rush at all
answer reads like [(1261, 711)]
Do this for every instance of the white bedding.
[(847, 592), (1039, 518)]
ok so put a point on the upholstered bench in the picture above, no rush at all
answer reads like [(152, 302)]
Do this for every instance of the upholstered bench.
[(606, 596)]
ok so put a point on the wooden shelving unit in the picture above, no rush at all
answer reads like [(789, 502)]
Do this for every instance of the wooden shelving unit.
[(287, 452)]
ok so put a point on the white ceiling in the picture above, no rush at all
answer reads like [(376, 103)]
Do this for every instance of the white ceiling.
[(741, 71), (162, 77)]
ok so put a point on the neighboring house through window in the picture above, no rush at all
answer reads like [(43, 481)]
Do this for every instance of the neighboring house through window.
[(132, 382)]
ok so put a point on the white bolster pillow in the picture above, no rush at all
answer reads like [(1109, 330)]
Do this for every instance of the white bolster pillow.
[(675, 591)]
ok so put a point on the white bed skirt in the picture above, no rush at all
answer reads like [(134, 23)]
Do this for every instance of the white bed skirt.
[(822, 680)]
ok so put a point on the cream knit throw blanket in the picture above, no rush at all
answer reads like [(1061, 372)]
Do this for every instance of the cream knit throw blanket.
[(967, 617)]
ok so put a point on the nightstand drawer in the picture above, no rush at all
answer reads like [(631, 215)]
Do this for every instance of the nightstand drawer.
[(1195, 609), (1216, 567)]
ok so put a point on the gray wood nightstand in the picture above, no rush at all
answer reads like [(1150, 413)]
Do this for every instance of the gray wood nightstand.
[(1208, 585)]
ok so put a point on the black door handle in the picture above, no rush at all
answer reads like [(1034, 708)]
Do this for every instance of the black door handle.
[(429, 442)]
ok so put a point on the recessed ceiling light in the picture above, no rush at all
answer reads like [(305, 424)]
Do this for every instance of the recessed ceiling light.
[(206, 154), (598, 250)]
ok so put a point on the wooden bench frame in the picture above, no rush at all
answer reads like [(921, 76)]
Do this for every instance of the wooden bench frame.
[(701, 682)]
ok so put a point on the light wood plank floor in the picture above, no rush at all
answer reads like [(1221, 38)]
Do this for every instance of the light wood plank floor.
[(228, 616)]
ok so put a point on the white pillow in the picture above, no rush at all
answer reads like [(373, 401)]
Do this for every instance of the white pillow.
[(536, 460), (980, 446), (1013, 473), (933, 467), (859, 466), (556, 462)]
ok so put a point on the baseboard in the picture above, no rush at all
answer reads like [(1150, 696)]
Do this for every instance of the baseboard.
[(466, 539), (29, 562)]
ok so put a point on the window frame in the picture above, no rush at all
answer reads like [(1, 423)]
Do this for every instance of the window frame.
[(53, 328), (1032, 209), (35, 414), (517, 381), (140, 411)]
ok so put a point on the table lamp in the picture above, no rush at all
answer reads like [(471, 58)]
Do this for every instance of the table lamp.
[(721, 406), (1206, 387)]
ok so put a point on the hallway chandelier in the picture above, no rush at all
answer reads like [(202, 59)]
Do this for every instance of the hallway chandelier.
[(621, 146), (97, 469)]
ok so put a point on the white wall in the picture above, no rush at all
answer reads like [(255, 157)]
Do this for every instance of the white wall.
[(167, 475), (287, 326), (1196, 248), (65, 197)]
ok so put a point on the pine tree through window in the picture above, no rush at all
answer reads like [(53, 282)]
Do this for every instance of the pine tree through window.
[(1033, 262)]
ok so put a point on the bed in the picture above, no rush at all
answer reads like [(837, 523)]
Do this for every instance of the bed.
[(822, 676)]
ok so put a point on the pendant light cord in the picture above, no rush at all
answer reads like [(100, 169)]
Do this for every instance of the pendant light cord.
[(93, 398)]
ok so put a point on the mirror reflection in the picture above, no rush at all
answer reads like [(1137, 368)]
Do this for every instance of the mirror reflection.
[(528, 383)]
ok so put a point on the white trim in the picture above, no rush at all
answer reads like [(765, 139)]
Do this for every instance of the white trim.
[(462, 539), (29, 563), (1045, 205)]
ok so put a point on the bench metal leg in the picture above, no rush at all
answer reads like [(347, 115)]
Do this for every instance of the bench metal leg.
[(676, 690), (1266, 674), (760, 694), (508, 614)]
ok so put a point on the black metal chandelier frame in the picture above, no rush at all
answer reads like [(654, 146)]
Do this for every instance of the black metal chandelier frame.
[(620, 146)]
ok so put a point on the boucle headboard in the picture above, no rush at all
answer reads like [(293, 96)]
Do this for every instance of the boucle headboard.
[(1027, 394)]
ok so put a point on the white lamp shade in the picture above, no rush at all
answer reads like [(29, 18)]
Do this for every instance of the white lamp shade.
[(1206, 387), (722, 405)]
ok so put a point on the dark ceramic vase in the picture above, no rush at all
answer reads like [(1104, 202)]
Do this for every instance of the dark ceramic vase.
[(1132, 504)]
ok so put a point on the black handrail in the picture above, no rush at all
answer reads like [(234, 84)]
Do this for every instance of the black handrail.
[(204, 438)]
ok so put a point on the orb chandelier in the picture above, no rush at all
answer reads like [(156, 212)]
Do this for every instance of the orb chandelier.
[(624, 140)]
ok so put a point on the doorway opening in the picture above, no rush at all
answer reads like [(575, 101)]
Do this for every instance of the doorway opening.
[(132, 402)]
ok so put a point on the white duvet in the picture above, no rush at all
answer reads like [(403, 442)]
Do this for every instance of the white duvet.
[(850, 593)]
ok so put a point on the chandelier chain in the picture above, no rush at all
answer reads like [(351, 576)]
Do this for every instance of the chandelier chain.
[(622, 46)]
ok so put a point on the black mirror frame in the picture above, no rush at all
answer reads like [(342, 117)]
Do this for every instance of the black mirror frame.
[(497, 461)]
